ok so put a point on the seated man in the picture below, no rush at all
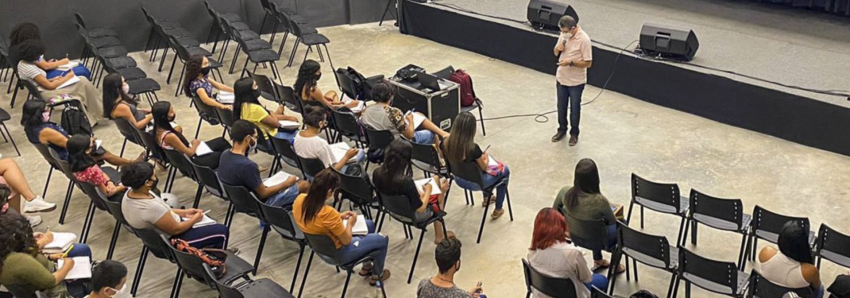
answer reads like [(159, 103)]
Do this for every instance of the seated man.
[(442, 285), (235, 168), (383, 116), (109, 279)]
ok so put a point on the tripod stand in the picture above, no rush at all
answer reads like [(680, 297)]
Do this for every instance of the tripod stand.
[(387, 9)]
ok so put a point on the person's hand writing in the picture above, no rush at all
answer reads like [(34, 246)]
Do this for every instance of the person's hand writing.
[(290, 180), (426, 188), (197, 217), (68, 262), (348, 214), (195, 143), (352, 153), (64, 61)]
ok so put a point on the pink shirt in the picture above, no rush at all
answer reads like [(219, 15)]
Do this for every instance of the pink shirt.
[(577, 48)]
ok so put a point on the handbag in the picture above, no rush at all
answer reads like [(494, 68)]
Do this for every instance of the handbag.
[(213, 257)]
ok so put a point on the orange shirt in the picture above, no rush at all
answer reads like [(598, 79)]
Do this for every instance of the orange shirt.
[(326, 222), (576, 48)]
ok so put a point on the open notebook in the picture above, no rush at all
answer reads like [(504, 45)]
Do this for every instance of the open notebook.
[(204, 222), (359, 228), (417, 118), (68, 66), (289, 125), (61, 242), (73, 80), (226, 97), (435, 188), (278, 178), (203, 149), (339, 149), (81, 270)]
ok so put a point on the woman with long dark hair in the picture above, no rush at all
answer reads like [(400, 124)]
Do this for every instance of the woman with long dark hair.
[(307, 87), (86, 169), (393, 178), (551, 254), (247, 106), (199, 83), (460, 147), (793, 265), (584, 202), (35, 118), (117, 103), (314, 217), (23, 264), (171, 138), (26, 31)]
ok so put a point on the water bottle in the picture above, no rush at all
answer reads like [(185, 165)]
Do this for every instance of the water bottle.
[(378, 292)]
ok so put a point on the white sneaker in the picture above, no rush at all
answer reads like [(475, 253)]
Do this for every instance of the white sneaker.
[(39, 205), (34, 220)]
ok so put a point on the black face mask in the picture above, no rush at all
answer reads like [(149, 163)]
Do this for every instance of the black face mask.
[(318, 77), (155, 182), (257, 93), (171, 118), (205, 71)]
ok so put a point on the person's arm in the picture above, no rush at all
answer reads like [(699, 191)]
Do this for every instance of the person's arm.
[(55, 83), (270, 120), (59, 275), (33, 273), (811, 274), (348, 156), (316, 94), (219, 86), (187, 212), (586, 57), (766, 254), (167, 224), (265, 192), (346, 235), (584, 274), (281, 115), (607, 213), (425, 196), (51, 136), (205, 98), (483, 161), (43, 239), (123, 111), (559, 47), (50, 65), (174, 141)]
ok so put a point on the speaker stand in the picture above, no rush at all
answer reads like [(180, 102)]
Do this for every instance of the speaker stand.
[(387, 9)]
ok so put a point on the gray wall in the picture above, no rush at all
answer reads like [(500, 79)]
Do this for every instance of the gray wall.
[(56, 17)]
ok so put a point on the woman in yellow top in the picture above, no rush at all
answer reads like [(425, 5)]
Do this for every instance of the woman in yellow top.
[(314, 217), (247, 106)]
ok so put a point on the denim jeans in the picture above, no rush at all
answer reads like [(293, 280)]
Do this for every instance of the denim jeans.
[(78, 288), (209, 236), (488, 180), (612, 240), (362, 245), (599, 281), (423, 137), (284, 198), (79, 70), (569, 97)]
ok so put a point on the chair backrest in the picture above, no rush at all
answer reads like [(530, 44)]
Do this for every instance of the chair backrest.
[(427, 155), (468, 171), (189, 263), (356, 188), (597, 293), (266, 6), (226, 118), (551, 286), (835, 243), (288, 98), (282, 221), (242, 198), (295, 27), (664, 193), (445, 73), (378, 139), (209, 178), (182, 52), (346, 84), (79, 19), (762, 288), (722, 273), (324, 246), (346, 123), (282, 17), (265, 85), (127, 130), (94, 195), (63, 165), (399, 207), (207, 112), (597, 232), (31, 87), (22, 292), (311, 166), (151, 145), (224, 290), (116, 212), (153, 241), (45, 153), (772, 223), (655, 247), (180, 161), (284, 148), (730, 210)]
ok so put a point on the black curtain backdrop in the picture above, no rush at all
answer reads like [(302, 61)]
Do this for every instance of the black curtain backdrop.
[(791, 117)]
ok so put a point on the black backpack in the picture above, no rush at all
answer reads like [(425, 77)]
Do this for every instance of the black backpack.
[(74, 121)]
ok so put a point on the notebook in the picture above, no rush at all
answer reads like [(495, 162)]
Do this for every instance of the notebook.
[(417, 118), (203, 149), (69, 82), (356, 109), (226, 97), (492, 162), (68, 66), (435, 189), (61, 242), (278, 178), (289, 125), (97, 143), (204, 221), (339, 149), (81, 270), (359, 228)]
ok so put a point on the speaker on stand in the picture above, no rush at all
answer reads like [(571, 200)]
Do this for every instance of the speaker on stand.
[(545, 14)]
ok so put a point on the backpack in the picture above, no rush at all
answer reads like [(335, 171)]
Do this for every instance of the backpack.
[(361, 84), (467, 93), (213, 257), (840, 288), (74, 121)]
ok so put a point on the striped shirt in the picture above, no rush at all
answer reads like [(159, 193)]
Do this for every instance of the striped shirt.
[(29, 72)]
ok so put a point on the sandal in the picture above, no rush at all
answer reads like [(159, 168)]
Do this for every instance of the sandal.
[(365, 271), (488, 201), (384, 277), (497, 213)]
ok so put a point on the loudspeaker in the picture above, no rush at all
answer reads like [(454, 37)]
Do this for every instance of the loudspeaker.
[(544, 14), (668, 42)]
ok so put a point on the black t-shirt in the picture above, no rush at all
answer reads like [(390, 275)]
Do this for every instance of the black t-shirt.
[(408, 189), (470, 156), (238, 170)]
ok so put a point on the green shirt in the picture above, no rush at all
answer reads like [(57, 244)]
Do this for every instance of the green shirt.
[(589, 207), (33, 273)]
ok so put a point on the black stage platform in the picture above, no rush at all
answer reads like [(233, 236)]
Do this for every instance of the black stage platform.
[(788, 116)]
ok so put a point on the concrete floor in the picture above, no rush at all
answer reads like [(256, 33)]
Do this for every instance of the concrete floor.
[(622, 134)]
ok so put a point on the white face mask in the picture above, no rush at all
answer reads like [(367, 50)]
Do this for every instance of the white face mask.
[(125, 88), (122, 293)]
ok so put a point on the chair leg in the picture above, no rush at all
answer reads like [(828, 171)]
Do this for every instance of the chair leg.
[(114, 241), (345, 286), (510, 210), (49, 174), (178, 283), (294, 49), (263, 24), (171, 71), (84, 234), (694, 226), (198, 130), (681, 229), (162, 60), (674, 287), (306, 272), (641, 217), (634, 264), (260, 248), (483, 218), (123, 146), (297, 266), (480, 116), (198, 195), (139, 268), (741, 260), (68, 194), (415, 256), (228, 218), (629, 216), (180, 81)]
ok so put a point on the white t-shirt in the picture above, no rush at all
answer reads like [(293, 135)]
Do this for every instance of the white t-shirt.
[(144, 213), (314, 147), (29, 72)]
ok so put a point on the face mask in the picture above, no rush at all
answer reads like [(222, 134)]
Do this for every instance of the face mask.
[(172, 117), (125, 88), (257, 93), (568, 35), (205, 71), (318, 77), (155, 182), (121, 293), (45, 117), (253, 146)]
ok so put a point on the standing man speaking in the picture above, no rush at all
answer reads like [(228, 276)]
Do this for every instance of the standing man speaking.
[(574, 58)]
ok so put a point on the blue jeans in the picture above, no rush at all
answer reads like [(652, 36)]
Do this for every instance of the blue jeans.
[(489, 181), (362, 245), (80, 70), (597, 253), (284, 198), (78, 288), (599, 281), (80, 250), (423, 137), (569, 97), (819, 292), (212, 236)]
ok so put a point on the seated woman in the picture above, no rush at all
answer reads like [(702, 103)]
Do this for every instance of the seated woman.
[(12, 176), (314, 217), (247, 106), (551, 255), (87, 170), (26, 31), (143, 209), (392, 178), (198, 83), (308, 144), (35, 118), (791, 266), (117, 103), (171, 138), (24, 265), (584, 202), (383, 116), (460, 147), (306, 86), (29, 52)]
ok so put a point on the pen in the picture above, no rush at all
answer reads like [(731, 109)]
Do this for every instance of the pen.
[(65, 254), (488, 148)]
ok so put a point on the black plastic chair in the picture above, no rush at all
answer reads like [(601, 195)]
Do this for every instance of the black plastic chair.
[(97, 201), (266, 86), (551, 286), (45, 153), (760, 287), (282, 222), (714, 276), (190, 264), (252, 288), (651, 250), (180, 162), (311, 166), (65, 168), (833, 246), (327, 251), (470, 172), (358, 190), (718, 213), (597, 293), (284, 17), (596, 238), (244, 201), (399, 208), (209, 179), (22, 292), (302, 35), (205, 113), (289, 99), (284, 153), (118, 214), (185, 54), (129, 132), (151, 146), (4, 116), (347, 126), (660, 197), (766, 225), (216, 26), (378, 141), (152, 243), (427, 159)]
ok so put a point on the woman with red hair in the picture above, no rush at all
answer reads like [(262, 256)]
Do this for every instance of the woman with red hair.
[(551, 254)]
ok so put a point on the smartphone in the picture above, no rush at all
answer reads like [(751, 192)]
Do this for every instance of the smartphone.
[(478, 285)]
